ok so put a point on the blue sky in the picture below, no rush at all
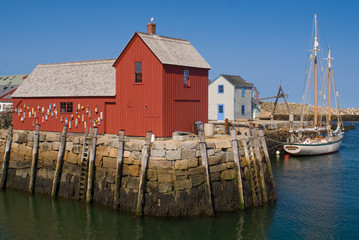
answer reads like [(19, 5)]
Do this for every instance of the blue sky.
[(264, 41)]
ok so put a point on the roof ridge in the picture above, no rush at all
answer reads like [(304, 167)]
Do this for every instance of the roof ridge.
[(77, 62), (165, 37)]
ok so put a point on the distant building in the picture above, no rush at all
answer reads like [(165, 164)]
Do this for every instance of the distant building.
[(233, 98), (8, 84), (156, 84)]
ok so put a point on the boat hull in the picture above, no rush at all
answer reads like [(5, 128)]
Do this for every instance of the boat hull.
[(313, 149)]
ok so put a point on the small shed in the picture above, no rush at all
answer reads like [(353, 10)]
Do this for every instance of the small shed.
[(161, 85), (232, 97), (73, 93)]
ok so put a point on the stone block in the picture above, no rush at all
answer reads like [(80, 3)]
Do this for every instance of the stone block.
[(52, 137), (158, 145), (218, 168), (135, 154), (110, 178), (127, 160), (20, 138), (173, 154), (211, 145), (98, 161), (109, 162), (165, 187), (77, 149), (197, 179), (133, 182), (227, 175), (158, 153), (101, 150), (210, 152), (215, 176), (28, 151), (165, 177), (229, 156), (42, 137), (151, 174), (170, 145), (160, 164), (197, 170), (182, 184), (133, 170), (113, 152), (72, 158), (214, 160), (126, 154), (187, 145), (76, 140), (45, 146), (55, 146), (230, 165), (192, 163), (181, 164), (223, 144), (188, 153), (69, 146)]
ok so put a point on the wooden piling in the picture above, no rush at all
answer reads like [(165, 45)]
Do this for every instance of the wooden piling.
[(204, 156), (119, 169), (226, 126), (5, 166), (35, 156), (142, 186), (91, 167), (59, 164), (269, 165), (259, 164), (238, 165), (248, 159)]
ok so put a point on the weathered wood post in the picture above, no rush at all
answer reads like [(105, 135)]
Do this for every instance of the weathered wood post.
[(259, 163), (35, 156), (269, 165), (238, 165), (226, 128), (91, 167), (59, 164), (119, 165), (142, 186), (5, 166), (250, 172), (204, 156)]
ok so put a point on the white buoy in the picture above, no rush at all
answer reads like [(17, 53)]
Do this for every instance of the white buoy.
[(277, 152)]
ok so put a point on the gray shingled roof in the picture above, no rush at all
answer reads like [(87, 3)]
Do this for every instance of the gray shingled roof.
[(237, 81), (174, 51), (73, 79), (9, 83)]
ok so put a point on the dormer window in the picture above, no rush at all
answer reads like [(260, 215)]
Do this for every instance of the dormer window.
[(220, 89), (138, 72), (186, 81)]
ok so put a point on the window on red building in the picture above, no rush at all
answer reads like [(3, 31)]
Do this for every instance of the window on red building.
[(186, 81), (138, 72), (66, 107)]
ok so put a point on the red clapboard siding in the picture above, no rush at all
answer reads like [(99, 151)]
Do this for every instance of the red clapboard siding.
[(53, 123)]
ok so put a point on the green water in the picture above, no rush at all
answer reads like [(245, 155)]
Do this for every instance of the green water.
[(318, 198)]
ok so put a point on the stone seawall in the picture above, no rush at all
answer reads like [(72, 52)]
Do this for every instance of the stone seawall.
[(175, 182)]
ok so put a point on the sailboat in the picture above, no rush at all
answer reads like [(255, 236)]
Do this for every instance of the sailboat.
[(319, 139)]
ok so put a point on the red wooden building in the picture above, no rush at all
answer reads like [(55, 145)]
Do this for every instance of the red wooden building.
[(157, 83)]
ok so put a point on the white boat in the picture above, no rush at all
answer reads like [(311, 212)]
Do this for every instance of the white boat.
[(323, 140)]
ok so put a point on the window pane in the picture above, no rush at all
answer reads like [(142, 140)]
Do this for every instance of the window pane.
[(220, 109), (220, 88), (138, 67), (186, 78)]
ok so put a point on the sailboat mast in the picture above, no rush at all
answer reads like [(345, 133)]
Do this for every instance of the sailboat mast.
[(329, 72), (315, 50)]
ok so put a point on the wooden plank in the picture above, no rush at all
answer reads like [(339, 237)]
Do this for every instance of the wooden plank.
[(259, 164), (238, 165), (5, 166), (59, 164), (204, 156), (269, 165), (91, 167), (249, 161), (35, 156), (119, 168), (142, 185)]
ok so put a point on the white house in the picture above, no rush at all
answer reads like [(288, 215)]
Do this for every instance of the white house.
[(233, 98)]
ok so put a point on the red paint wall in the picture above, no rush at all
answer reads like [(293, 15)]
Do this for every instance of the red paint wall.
[(139, 104), (184, 105), (55, 124)]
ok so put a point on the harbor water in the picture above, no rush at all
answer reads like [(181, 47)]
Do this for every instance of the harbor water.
[(318, 198)]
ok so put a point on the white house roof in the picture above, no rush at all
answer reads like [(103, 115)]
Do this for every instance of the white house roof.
[(72, 79), (174, 51)]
